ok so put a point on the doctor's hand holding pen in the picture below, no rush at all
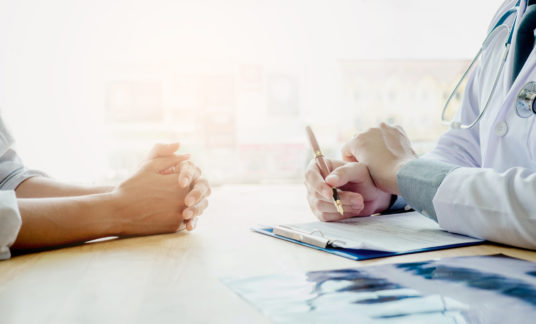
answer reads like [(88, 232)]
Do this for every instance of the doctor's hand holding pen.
[(367, 176), (358, 194)]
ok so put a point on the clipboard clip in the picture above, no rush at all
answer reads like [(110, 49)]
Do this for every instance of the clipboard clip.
[(318, 240)]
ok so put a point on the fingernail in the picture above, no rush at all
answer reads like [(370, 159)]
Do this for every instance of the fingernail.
[(190, 201), (194, 223), (185, 182), (332, 177), (188, 214), (355, 201), (328, 193)]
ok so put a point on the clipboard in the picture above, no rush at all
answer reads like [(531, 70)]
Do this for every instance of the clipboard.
[(318, 240)]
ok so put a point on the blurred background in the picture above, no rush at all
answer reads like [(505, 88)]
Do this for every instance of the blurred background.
[(87, 87)]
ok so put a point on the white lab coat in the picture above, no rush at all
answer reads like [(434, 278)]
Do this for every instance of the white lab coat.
[(493, 195)]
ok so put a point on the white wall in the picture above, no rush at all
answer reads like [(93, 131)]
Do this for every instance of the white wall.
[(53, 54)]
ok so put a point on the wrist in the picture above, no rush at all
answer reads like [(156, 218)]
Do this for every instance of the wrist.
[(389, 183), (107, 211), (395, 190)]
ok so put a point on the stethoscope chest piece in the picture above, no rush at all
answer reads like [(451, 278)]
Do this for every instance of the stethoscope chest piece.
[(526, 97)]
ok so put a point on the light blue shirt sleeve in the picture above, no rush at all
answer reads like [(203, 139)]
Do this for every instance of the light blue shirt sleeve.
[(418, 182)]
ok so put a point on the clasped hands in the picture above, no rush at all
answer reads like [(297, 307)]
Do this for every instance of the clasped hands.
[(166, 194), (366, 177)]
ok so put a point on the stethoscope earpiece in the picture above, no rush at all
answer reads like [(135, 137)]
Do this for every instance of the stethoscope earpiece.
[(525, 100)]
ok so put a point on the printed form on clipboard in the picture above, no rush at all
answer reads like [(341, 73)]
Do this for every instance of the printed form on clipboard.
[(361, 238)]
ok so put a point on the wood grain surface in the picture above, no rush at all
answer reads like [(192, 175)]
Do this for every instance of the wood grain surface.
[(175, 278)]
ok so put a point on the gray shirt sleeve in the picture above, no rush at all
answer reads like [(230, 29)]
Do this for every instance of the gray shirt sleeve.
[(418, 182)]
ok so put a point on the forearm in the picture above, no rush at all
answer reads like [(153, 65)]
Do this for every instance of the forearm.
[(488, 204), (418, 181), (56, 221), (43, 187), (478, 202)]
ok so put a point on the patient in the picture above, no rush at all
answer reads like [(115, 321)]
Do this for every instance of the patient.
[(164, 195)]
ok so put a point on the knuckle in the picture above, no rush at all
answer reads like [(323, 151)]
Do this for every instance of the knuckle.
[(360, 137), (194, 194), (307, 180), (311, 177), (311, 167), (194, 210), (185, 164), (311, 200)]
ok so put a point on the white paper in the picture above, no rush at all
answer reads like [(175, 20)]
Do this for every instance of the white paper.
[(391, 233)]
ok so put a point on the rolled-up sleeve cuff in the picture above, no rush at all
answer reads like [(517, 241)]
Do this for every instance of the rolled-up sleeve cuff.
[(418, 181), (15, 175), (10, 222), (19, 176)]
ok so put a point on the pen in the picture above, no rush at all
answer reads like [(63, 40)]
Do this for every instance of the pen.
[(324, 170)]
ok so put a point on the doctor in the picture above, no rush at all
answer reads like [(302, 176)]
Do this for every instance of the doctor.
[(480, 180)]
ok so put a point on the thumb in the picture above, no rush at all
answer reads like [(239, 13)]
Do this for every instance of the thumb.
[(347, 154), (161, 150), (351, 172)]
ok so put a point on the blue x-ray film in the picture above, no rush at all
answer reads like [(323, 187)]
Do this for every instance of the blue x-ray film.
[(479, 289)]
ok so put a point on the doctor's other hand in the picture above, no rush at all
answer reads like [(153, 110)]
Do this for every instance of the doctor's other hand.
[(358, 194), (384, 149)]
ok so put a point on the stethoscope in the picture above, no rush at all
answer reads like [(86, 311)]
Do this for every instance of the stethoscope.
[(526, 98)]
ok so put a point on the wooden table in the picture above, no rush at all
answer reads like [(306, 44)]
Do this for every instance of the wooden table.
[(175, 278)]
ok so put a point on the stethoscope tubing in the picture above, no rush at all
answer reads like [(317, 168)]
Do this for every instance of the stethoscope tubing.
[(499, 26), (458, 124)]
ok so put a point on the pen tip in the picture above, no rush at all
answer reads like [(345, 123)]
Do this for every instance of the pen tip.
[(338, 203)]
